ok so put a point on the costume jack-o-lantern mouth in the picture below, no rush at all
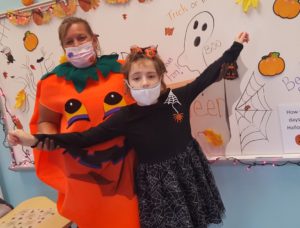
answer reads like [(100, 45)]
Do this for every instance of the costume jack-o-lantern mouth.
[(75, 111), (113, 101)]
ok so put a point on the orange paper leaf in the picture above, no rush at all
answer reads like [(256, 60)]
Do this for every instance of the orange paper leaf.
[(213, 138)]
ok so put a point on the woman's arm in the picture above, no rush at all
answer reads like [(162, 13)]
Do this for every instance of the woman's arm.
[(49, 121)]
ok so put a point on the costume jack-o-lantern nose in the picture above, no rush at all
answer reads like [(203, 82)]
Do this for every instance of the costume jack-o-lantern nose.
[(75, 111)]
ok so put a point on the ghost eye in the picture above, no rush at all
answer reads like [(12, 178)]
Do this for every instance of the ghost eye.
[(196, 23), (204, 26)]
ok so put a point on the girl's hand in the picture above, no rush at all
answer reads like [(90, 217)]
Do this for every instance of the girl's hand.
[(21, 137), (242, 37), (47, 145)]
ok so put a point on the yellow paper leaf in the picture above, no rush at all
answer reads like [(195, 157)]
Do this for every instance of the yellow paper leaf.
[(20, 98), (63, 59), (246, 4)]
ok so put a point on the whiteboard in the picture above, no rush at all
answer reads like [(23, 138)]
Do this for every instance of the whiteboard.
[(252, 128)]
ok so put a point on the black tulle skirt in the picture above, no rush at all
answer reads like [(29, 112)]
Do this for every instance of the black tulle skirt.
[(179, 192)]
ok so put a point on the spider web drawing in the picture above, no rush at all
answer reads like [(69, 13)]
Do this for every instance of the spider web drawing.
[(252, 113), (172, 100)]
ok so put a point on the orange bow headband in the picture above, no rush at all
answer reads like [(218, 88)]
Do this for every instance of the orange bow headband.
[(150, 51)]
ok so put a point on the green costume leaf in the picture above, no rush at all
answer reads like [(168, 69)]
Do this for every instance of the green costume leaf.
[(79, 76)]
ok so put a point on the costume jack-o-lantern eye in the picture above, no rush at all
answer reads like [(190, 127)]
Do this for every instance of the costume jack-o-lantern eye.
[(113, 101), (113, 98), (75, 111), (72, 106)]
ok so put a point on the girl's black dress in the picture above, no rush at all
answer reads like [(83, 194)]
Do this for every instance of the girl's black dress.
[(174, 184)]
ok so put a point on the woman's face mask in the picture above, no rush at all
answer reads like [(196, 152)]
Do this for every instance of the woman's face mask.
[(81, 56), (145, 96)]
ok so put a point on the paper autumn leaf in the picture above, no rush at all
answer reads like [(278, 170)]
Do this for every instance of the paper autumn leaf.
[(86, 5), (19, 18), (116, 1), (63, 59), (246, 4), (60, 9), (20, 98), (213, 138)]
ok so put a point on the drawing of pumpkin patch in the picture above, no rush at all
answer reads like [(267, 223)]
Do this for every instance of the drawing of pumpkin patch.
[(271, 65), (30, 41), (287, 9)]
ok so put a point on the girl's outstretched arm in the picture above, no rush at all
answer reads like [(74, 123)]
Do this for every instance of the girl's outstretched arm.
[(111, 128), (212, 73)]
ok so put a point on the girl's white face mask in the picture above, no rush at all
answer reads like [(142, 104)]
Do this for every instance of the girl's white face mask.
[(146, 96), (81, 56)]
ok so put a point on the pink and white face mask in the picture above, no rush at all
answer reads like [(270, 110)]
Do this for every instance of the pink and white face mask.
[(81, 56)]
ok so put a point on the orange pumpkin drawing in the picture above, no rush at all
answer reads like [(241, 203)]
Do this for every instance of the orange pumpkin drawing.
[(27, 2), (287, 9), (30, 41), (271, 65)]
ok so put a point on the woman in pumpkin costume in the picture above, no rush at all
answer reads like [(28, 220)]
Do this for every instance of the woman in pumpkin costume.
[(93, 189), (174, 183)]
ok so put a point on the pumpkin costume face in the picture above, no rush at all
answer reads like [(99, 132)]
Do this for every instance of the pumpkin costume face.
[(92, 189)]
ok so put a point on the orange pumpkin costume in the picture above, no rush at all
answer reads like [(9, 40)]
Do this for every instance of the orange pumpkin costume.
[(92, 190)]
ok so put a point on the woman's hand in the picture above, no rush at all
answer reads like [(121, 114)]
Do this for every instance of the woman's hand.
[(21, 137), (242, 37)]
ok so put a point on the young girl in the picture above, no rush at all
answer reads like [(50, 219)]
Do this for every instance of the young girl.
[(174, 184)]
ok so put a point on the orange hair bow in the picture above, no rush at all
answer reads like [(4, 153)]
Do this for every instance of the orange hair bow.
[(150, 51)]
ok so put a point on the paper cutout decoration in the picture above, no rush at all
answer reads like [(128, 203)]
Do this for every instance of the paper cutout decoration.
[(27, 2), (213, 138), (7, 52), (62, 9), (86, 5), (271, 65), (19, 18), (63, 59), (41, 17), (20, 99), (17, 122), (30, 41), (246, 4), (287, 9), (229, 71), (297, 139), (116, 1), (169, 31)]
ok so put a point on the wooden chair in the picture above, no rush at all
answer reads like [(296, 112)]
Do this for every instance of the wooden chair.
[(37, 212)]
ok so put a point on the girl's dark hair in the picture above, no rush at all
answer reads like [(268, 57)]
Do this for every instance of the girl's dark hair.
[(158, 64)]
